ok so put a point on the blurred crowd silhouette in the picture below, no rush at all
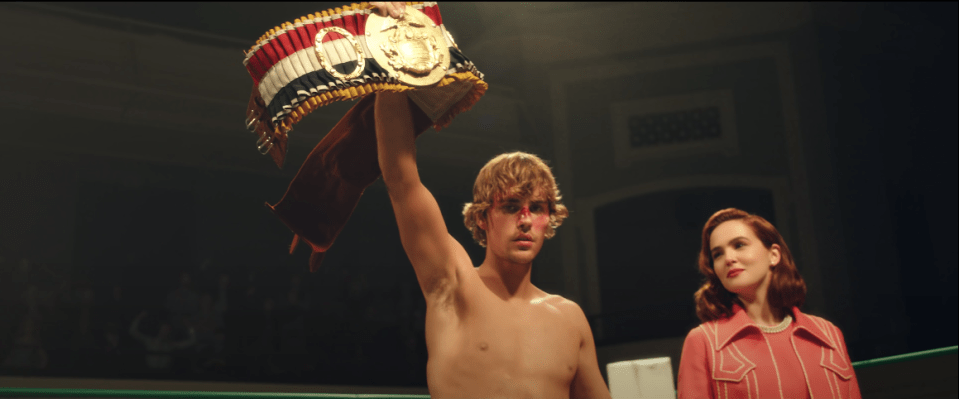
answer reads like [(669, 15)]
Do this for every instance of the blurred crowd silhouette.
[(332, 327)]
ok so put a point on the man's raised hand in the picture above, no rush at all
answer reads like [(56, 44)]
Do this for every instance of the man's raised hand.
[(395, 9)]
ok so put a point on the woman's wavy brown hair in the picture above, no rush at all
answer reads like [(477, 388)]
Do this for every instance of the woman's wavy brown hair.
[(513, 174), (786, 288)]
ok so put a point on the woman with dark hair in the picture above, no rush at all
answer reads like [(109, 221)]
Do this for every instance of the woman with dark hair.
[(754, 342)]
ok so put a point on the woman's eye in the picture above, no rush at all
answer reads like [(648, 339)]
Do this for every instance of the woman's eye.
[(739, 245)]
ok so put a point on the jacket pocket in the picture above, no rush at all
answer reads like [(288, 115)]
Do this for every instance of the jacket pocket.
[(731, 365), (834, 361)]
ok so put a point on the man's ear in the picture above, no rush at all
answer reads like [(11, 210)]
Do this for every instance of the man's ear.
[(481, 221)]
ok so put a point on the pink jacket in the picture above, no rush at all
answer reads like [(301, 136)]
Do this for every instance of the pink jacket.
[(731, 358)]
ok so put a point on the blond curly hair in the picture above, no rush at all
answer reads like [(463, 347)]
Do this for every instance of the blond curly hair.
[(513, 174)]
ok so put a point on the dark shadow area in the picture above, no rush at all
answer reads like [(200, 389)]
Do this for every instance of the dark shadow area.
[(889, 75), (183, 274)]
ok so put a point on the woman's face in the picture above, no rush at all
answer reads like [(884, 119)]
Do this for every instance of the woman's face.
[(740, 259)]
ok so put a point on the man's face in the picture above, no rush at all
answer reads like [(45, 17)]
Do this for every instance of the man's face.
[(516, 227)]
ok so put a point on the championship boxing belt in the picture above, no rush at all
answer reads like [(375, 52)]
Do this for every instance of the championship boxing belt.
[(346, 54)]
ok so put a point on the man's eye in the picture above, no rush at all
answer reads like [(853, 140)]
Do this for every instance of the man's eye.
[(536, 208)]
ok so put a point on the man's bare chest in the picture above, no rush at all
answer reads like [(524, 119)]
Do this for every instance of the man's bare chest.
[(506, 341)]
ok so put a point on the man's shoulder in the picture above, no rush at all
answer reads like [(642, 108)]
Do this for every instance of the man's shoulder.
[(559, 300), (572, 313), (565, 306)]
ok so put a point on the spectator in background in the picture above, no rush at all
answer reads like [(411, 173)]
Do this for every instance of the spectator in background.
[(113, 351), (247, 318), (161, 345), (9, 293), (28, 352), (82, 341), (209, 319), (267, 341), (359, 304), (116, 308), (212, 358), (183, 303), (40, 284), (31, 300), (292, 326)]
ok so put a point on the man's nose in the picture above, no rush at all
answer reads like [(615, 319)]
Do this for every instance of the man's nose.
[(525, 215)]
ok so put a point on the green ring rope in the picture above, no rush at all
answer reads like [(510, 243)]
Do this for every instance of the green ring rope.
[(906, 356)]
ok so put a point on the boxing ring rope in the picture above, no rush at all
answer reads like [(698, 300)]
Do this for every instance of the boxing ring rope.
[(132, 393), (906, 357)]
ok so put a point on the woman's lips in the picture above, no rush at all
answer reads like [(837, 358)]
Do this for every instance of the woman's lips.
[(733, 273)]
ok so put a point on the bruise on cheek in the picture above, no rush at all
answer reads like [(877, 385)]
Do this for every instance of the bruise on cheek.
[(540, 221), (543, 222)]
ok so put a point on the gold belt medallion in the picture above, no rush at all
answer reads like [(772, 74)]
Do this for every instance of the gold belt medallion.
[(320, 50), (412, 48)]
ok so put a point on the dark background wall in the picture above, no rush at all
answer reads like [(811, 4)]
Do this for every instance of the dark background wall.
[(890, 101)]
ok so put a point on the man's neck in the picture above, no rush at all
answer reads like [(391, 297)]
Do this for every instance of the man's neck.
[(506, 279)]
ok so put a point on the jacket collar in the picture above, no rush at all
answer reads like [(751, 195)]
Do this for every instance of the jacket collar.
[(815, 326), (740, 323)]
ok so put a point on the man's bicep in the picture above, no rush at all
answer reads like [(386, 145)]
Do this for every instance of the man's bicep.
[(423, 233), (588, 382)]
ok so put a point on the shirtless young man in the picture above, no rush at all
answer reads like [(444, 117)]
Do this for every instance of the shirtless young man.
[(490, 333)]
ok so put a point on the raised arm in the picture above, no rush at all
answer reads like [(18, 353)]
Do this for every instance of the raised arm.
[(431, 249)]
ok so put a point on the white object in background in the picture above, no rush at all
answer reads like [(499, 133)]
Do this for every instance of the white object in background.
[(641, 379)]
